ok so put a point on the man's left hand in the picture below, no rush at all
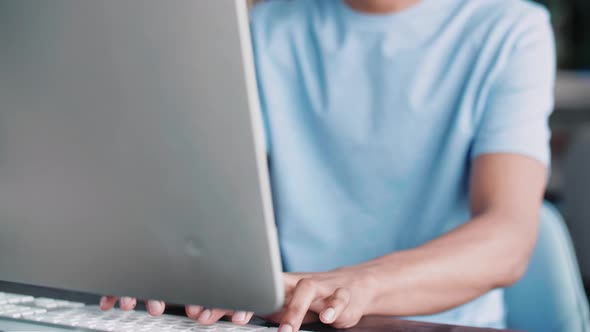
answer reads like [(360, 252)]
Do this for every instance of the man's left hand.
[(339, 298)]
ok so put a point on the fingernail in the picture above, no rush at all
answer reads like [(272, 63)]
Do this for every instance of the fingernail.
[(285, 328), (126, 302), (194, 310), (240, 316), (329, 314), (154, 306), (205, 315)]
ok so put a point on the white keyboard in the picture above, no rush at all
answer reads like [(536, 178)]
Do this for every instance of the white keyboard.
[(77, 315)]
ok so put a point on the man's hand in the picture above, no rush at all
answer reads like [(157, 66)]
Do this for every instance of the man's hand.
[(154, 308), (198, 313), (339, 298)]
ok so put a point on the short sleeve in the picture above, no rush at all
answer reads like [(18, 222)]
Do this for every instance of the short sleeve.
[(521, 97)]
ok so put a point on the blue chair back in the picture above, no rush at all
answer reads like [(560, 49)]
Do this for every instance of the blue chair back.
[(551, 296)]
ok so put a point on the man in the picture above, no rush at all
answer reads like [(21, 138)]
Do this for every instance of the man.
[(408, 145)]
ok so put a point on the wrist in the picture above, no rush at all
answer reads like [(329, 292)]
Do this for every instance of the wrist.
[(368, 279), (385, 279)]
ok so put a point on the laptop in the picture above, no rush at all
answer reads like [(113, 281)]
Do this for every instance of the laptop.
[(132, 155)]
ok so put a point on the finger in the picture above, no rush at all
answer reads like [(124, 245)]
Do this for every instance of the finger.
[(127, 303), (155, 308), (335, 305), (291, 280), (350, 317), (210, 316), (347, 319), (107, 302), (304, 294), (193, 311), (241, 317)]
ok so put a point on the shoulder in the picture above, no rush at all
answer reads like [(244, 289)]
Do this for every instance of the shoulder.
[(517, 18), (506, 11), (500, 29), (515, 8)]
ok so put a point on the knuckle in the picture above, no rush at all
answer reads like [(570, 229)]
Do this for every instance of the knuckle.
[(340, 298), (306, 284), (338, 303), (342, 292)]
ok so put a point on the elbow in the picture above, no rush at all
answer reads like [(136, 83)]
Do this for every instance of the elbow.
[(516, 259), (513, 274), (513, 270)]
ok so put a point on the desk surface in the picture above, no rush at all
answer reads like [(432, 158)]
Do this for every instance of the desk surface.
[(370, 324), (383, 324)]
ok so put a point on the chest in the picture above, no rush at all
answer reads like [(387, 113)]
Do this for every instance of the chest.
[(380, 88)]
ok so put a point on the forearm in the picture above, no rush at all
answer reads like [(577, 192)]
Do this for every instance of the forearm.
[(490, 251)]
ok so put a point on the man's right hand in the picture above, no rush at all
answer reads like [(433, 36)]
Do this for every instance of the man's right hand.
[(156, 308)]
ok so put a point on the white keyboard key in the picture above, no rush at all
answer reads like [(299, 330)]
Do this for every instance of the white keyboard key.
[(40, 311), (77, 315), (70, 304), (207, 327), (45, 303), (249, 328), (26, 307), (45, 299), (15, 298), (5, 307), (28, 313)]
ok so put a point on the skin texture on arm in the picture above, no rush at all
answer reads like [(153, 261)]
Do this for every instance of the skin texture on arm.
[(490, 251)]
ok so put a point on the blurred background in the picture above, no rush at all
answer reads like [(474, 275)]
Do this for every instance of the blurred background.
[(569, 187)]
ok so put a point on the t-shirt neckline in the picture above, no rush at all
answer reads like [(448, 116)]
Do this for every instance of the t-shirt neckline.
[(368, 21)]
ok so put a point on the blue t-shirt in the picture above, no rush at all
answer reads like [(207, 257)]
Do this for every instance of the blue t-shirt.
[(373, 121)]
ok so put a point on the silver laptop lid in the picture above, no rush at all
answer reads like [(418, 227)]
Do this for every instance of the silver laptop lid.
[(132, 157)]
